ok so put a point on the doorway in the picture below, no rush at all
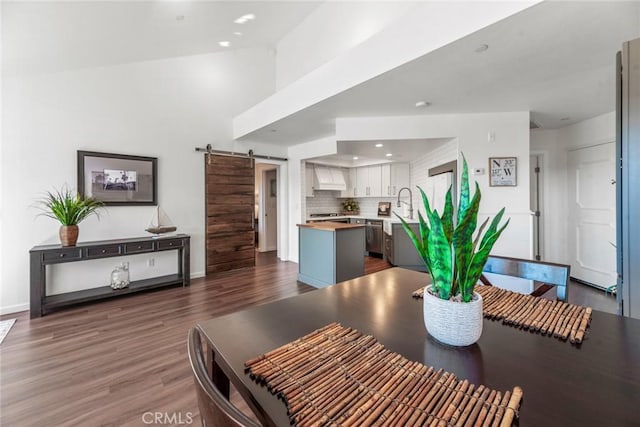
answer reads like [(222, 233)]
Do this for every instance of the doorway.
[(536, 201), (269, 211), (592, 214), (266, 213)]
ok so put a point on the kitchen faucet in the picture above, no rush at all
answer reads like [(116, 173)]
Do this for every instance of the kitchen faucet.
[(410, 201)]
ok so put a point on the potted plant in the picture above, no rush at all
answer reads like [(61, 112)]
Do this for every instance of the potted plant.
[(454, 258), (70, 209), (350, 207)]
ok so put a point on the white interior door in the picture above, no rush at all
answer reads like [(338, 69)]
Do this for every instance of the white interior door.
[(270, 186), (592, 214)]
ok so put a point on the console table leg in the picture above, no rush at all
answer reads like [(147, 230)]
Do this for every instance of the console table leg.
[(186, 263), (37, 285)]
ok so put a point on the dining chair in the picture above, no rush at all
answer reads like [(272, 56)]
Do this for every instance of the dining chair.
[(546, 274), (215, 409)]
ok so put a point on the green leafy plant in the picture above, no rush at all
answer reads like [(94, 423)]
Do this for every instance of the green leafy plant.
[(350, 205), (68, 207), (448, 248)]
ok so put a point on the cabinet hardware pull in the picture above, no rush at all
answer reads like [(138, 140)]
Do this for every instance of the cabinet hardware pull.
[(104, 251), (62, 255)]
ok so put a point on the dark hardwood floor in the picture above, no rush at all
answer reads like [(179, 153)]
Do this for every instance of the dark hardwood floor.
[(109, 363)]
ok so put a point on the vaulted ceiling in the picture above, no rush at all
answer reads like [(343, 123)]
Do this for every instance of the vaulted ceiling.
[(555, 59)]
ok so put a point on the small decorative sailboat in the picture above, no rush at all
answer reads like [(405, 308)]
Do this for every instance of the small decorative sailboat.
[(160, 223)]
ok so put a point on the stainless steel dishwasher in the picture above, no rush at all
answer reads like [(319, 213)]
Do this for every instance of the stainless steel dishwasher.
[(374, 236)]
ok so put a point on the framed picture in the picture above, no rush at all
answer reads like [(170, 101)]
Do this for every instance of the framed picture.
[(502, 172), (118, 179), (384, 208)]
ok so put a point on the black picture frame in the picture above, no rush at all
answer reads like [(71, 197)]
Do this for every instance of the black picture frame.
[(118, 179)]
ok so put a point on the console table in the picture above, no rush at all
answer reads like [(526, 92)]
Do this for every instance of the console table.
[(41, 256)]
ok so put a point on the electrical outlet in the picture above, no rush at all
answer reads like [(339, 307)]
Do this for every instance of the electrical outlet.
[(151, 262)]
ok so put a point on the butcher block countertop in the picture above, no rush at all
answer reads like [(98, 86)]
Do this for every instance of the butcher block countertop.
[(330, 226)]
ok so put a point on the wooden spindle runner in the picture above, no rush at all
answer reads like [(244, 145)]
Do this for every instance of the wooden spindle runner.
[(336, 376), (562, 320)]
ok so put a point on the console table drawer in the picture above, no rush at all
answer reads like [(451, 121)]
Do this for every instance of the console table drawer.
[(134, 248), (103, 251), (63, 255), (169, 244)]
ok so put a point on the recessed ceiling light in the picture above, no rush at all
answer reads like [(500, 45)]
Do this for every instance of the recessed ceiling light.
[(355, 157), (379, 145), (237, 33), (388, 154), (421, 104), (481, 48), (564, 119), (225, 43), (245, 18)]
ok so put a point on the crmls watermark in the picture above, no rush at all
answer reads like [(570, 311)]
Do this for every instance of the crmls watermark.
[(167, 418)]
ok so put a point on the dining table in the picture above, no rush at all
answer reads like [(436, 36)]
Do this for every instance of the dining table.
[(596, 383)]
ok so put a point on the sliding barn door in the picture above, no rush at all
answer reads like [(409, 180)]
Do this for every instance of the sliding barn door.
[(230, 211)]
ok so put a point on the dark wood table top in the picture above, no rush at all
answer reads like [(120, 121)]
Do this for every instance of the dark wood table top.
[(595, 384)]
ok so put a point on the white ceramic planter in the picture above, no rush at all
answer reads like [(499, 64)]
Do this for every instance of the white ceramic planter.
[(451, 322)]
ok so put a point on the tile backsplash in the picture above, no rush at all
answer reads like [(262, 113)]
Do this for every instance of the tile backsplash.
[(324, 202), (328, 201)]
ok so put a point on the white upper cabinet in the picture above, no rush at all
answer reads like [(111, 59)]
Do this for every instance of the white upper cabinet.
[(381, 180), (309, 177), (375, 181), (369, 181), (362, 182), (400, 176), (386, 180)]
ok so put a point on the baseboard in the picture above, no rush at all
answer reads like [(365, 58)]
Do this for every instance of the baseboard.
[(25, 307), (591, 285), (14, 308)]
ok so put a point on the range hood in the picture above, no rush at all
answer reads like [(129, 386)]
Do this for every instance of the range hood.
[(328, 178)]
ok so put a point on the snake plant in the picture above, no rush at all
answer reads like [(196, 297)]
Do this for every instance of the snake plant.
[(452, 254)]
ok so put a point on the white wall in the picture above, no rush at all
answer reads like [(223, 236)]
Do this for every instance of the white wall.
[(161, 108), (430, 26), (296, 185), (471, 130), (351, 23), (554, 144)]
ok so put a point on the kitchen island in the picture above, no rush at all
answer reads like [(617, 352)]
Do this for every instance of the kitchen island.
[(330, 252)]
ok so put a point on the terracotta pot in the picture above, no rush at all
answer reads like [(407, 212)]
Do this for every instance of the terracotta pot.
[(452, 322), (69, 235)]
